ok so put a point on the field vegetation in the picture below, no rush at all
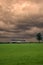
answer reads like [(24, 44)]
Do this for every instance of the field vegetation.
[(21, 54)]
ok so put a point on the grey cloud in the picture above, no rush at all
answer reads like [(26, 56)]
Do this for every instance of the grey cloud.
[(15, 24)]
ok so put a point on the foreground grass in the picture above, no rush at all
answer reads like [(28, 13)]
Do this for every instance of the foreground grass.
[(21, 54)]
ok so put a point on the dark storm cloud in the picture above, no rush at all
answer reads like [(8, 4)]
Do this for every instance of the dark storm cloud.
[(35, 21)]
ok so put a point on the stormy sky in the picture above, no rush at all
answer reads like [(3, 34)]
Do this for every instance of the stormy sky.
[(20, 19)]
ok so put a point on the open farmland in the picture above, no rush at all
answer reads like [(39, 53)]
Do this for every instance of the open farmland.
[(21, 54)]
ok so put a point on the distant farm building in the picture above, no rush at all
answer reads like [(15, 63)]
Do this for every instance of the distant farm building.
[(17, 41)]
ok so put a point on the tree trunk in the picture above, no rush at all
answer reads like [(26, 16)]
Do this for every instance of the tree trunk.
[(39, 41)]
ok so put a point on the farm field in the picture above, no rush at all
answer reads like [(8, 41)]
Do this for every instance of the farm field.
[(21, 54)]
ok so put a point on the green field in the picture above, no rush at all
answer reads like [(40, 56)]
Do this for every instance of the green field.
[(21, 54)]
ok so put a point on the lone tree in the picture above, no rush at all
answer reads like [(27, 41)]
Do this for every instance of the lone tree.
[(39, 37)]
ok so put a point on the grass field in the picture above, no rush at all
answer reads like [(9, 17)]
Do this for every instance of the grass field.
[(21, 54)]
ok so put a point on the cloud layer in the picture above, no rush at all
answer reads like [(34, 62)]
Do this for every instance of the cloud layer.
[(21, 19)]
